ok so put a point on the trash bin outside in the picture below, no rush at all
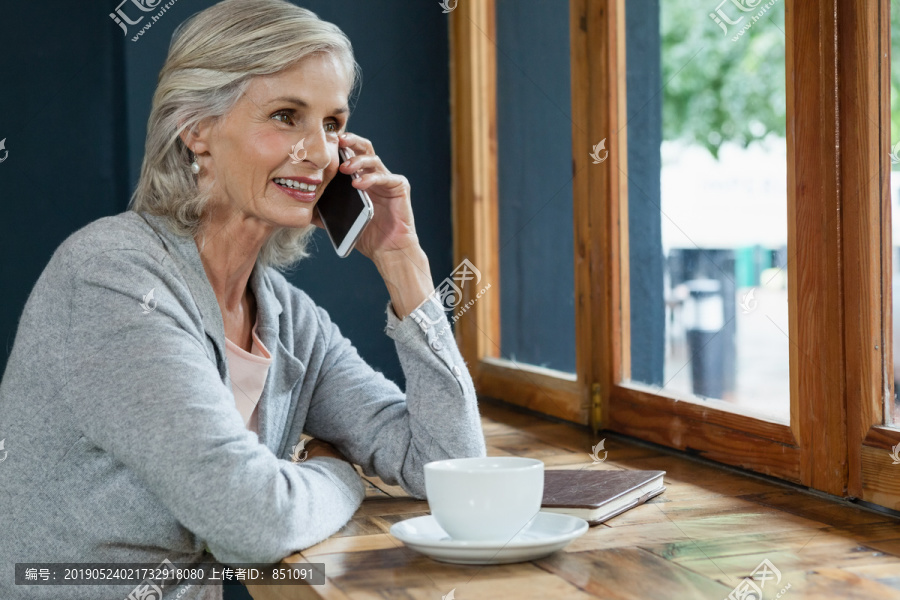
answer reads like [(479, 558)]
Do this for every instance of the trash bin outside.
[(704, 317), (686, 264)]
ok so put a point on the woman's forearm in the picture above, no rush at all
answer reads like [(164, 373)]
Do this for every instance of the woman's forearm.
[(407, 275)]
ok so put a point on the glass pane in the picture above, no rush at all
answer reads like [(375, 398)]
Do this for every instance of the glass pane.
[(892, 406), (534, 133), (707, 190)]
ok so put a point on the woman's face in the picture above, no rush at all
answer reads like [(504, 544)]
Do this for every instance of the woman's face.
[(249, 148)]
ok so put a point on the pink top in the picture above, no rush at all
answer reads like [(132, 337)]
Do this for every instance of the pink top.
[(248, 372)]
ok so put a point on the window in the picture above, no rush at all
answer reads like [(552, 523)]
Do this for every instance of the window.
[(821, 270)]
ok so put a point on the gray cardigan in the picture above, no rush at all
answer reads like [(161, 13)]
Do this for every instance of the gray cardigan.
[(124, 443)]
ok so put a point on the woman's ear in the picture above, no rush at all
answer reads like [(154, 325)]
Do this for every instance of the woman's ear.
[(197, 138)]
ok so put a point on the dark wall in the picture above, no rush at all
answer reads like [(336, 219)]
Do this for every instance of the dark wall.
[(534, 141), (61, 116), (644, 129), (74, 107)]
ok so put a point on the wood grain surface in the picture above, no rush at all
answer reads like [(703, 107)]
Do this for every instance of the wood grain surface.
[(709, 530)]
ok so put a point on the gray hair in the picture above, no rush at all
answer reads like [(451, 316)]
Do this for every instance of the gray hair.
[(212, 58)]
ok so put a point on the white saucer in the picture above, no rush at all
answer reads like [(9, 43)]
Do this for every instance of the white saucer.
[(546, 533)]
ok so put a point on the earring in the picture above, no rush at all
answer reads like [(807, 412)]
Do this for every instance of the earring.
[(195, 167)]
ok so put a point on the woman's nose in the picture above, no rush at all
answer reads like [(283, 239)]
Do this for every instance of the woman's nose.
[(317, 149)]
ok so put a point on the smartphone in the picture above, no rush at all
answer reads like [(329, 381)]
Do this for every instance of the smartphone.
[(345, 211)]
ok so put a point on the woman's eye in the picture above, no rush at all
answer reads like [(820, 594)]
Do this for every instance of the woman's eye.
[(287, 117)]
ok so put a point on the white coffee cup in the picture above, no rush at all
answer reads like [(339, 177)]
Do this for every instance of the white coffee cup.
[(484, 499)]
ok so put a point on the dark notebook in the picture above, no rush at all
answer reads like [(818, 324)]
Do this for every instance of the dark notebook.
[(596, 496)]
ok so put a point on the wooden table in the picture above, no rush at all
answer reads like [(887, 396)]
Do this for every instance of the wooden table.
[(710, 529)]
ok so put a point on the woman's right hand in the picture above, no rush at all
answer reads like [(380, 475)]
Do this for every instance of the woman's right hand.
[(316, 447)]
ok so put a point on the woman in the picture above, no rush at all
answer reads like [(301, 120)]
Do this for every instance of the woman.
[(163, 369)]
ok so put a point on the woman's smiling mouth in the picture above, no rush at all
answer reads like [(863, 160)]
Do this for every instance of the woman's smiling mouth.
[(304, 184), (298, 188)]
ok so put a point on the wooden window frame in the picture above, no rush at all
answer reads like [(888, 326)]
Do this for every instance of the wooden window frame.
[(838, 206)]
